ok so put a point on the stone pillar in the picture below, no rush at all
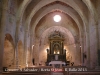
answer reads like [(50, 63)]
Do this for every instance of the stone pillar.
[(31, 49), (16, 43), (25, 48), (50, 47), (36, 51), (98, 45), (81, 55), (2, 30), (81, 49), (62, 47), (16, 56), (88, 51)]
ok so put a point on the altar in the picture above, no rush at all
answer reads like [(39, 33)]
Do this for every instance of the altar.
[(56, 54), (57, 64)]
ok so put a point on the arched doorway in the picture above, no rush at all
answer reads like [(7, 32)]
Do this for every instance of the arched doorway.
[(8, 56), (20, 54)]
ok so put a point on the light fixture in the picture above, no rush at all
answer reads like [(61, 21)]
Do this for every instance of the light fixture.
[(57, 18), (80, 46), (57, 52), (32, 47), (54, 52)]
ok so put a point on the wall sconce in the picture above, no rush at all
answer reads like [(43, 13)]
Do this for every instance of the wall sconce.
[(54, 52), (32, 47), (57, 52)]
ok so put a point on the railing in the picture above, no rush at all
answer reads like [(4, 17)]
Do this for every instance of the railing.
[(61, 57)]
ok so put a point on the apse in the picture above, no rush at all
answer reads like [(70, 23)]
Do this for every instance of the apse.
[(72, 49)]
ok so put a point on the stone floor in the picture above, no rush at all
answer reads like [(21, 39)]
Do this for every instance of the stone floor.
[(57, 73)]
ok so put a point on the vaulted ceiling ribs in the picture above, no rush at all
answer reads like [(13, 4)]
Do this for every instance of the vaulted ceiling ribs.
[(36, 11)]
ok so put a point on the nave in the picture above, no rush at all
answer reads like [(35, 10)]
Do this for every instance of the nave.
[(50, 33)]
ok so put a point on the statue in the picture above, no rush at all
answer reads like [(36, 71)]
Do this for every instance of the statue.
[(56, 49)]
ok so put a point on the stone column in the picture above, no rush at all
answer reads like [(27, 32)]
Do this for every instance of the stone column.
[(31, 49), (25, 48), (82, 50), (16, 43), (62, 46), (51, 48), (16, 56), (2, 29), (36, 51), (81, 55), (88, 48), (98, 45)]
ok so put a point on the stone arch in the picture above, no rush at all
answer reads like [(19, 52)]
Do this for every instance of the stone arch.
[(8, 55), (20, 54), (28, 20)]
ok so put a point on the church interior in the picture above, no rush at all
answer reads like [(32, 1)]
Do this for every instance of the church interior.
[(50, 34)]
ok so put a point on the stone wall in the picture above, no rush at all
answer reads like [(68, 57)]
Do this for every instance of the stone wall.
[(8, 55), (11, 18), (93, 37), (98, 11), (11, 25), (0, 10)]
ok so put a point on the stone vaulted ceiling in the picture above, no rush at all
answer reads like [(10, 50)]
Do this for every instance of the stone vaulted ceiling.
[(39, 15)]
